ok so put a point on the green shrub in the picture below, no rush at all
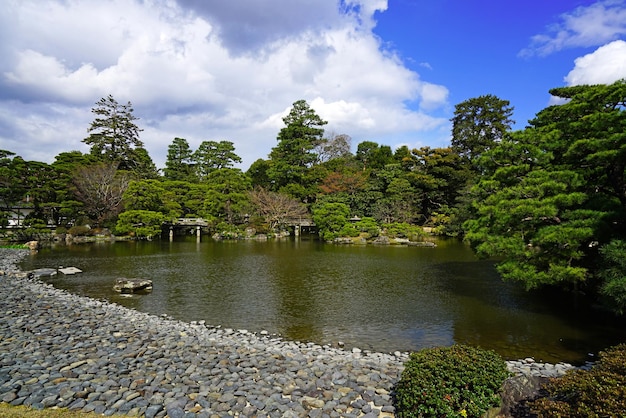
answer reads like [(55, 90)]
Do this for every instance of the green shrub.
[(349, 230), (599, 392), (369, 226), (457, 381), (404, 230), (79, 230)]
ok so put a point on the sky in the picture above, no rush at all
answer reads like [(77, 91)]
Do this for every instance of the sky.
[(388, 71)]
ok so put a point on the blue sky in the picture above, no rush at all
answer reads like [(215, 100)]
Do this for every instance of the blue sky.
[(389, 71), (488, 46)]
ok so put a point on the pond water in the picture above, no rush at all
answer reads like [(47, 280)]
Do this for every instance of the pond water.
[(381, 298)]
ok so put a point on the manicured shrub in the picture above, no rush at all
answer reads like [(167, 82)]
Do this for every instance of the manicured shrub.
[(457, 381), (79, 230), (404, 230), (599, 392)]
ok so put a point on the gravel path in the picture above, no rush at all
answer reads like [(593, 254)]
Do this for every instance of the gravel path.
[(60, 349)]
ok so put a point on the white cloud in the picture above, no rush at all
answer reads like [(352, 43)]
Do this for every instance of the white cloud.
[(189, 75), (589, 26), (605, 65)]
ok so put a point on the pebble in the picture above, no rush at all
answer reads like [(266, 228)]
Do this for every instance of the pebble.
[(63, 350)]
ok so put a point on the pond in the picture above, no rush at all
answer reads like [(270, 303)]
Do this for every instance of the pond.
[(381, 298)]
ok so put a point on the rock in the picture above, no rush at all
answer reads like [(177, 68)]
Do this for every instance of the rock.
[(519, 389), (381, 240), (32, 245), (123, 285), (69, 270), (426, 244)]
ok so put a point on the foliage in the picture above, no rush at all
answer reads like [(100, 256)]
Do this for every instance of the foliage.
[(144, 195), (179, 162), (403, 230), (613, 275), (374, 156), (294, 153), (79, 231), (140, 223), (599, 392), (213, 156), (227, 194), (478, 125), (369, 226), (330, 219), (456, 381), (114, 136)]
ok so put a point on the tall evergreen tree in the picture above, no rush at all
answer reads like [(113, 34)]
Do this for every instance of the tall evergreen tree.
[(294, 154), (212, 156), (114, 135), (179, 161), (478, 125), (555, 192)]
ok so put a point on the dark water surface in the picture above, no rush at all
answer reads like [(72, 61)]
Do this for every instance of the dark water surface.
[(380, 298)]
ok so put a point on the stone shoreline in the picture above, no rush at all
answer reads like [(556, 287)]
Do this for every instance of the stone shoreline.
[(63, 350)]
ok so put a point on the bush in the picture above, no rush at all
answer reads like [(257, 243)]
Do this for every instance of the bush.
[(404, 230), (79, 230), (369, 226), (457, 381), (599, 392), (141, 223)]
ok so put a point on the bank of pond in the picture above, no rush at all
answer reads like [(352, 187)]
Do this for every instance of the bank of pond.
[(384, 298)]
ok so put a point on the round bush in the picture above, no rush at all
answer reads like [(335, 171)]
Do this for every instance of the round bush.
[(457, 381)]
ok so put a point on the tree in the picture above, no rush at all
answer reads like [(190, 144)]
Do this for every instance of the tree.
[(113, 135), (478, 125), (335, 146), (330, 218), (212, 156), (65, 166), (440, 178), (226, 196), (100, 187), (276, 208), (144, 167), (373, 155), (555, 192), (294, 154), (258, 173), (179, 163), (144, 195), (140, 223)]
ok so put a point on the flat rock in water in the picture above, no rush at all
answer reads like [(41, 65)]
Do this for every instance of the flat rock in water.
[(69, 270), (123, 285), (45, 272)]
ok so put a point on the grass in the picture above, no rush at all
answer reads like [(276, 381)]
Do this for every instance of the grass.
[(8, 411)]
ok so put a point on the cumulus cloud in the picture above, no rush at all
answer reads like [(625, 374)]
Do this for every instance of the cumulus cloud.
[(588, 26), (605, 65), (202, 70)]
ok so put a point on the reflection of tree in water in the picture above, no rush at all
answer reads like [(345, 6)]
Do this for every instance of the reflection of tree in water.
[(549, 325)]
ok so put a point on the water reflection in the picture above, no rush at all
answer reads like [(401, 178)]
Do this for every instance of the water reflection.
[(374, 297)]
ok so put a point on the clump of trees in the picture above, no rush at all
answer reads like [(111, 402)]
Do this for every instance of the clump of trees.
[(547, 201)]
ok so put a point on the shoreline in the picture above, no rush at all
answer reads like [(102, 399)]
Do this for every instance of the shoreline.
[(58, 349)]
